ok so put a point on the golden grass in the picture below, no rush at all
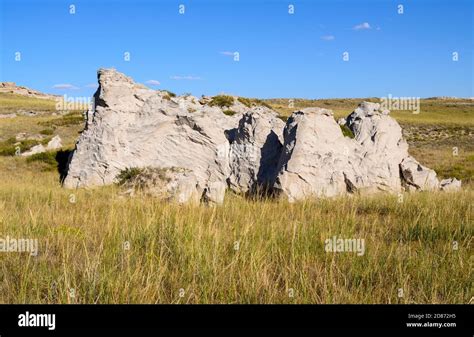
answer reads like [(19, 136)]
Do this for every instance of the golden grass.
[(12, 102), (192, 249)]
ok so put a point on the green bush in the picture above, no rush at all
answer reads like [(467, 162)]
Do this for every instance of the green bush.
[(48, 158), (346, 131), (47, 132), (222, 101), (229, 112)]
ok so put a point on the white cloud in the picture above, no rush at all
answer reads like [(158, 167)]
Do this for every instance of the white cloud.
[(92, 85), (328, 37), (362, 26), (153, 82), (227, 53), (65, 86), (187, 77)]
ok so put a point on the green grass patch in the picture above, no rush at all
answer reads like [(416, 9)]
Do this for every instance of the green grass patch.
[(222, 101), (229, 112), (346, 131)]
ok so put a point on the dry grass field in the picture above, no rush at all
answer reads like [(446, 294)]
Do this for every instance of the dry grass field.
[(99, 246)]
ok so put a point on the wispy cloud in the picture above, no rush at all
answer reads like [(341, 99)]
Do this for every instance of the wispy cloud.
[(328, 37), (362, 26), (153, 82), (187, 77), (227, 53), (91, 85), (65, 86)]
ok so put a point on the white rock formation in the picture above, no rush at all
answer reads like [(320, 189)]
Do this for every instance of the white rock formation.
[(385, 152), (318, 160), (204, 148), (255, 151), (316, 157), (133, 126)]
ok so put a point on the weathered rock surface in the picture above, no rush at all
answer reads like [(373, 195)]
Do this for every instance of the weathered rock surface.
[(133, 126), (255, 151), (316, 157), (450, 184), (319, 161), (200, 147)]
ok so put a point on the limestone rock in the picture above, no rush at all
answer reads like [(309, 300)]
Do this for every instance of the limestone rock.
[(451, 184), (34, 150), (133, 126), (381, 145), (417, 175), (255, 151), (314, 161), (54, 144)]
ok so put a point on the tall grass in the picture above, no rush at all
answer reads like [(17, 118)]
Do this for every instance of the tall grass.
[(114, 249)]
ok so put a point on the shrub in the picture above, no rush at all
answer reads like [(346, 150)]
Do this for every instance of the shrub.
[(346, 131), (222, 101), (245, 101), (128, 174), (170, 94), (229, 112), (47, 158), (47, 132), (263, 103)]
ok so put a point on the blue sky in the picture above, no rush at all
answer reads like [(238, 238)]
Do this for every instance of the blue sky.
[(280, 54)]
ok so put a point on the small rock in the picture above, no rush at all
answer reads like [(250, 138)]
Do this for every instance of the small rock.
[(34, 150), (450, 184), (54, 143)]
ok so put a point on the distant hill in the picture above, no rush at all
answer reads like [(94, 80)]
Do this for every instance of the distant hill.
[(12, 88)]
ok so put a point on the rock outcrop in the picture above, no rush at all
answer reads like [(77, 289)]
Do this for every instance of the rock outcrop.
[(194, 149), (133, 126), (255, 151), (319, 161), (316, 157)]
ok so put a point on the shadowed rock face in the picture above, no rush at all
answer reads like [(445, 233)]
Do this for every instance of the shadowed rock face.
[(133, 126), (255, 151)]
